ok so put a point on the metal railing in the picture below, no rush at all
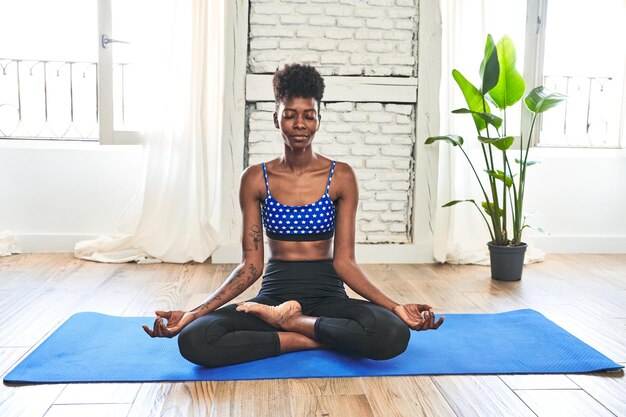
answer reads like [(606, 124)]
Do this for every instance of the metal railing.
[(588, 118), (53, 99)]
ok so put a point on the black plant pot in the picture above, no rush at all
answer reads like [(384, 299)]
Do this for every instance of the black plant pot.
[(507, 262)]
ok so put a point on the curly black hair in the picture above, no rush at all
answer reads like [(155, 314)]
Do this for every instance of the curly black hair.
[(297, 80)]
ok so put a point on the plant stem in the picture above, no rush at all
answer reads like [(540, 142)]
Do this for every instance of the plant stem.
[(504, 188), (522, 180), (514, 213), (495, 217), (504, 194)]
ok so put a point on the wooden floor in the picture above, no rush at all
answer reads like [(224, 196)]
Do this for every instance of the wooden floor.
[(585, 294)]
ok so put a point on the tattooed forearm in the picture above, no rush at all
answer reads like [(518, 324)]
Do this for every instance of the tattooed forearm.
[(256, 234), (242, 284), (216, 297), (237, 283), (253, 271)]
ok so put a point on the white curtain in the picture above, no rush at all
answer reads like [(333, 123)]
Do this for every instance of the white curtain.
[(175, 213), (460, 234), (7, 244)]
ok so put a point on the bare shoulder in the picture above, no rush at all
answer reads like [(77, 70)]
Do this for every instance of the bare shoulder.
[(252, 180), (344, 179), (344, 171)]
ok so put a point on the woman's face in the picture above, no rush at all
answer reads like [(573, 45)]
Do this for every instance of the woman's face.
[(298, 120)]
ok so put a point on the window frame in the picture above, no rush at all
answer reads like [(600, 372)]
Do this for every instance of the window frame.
[(107, 133), (534, 55)]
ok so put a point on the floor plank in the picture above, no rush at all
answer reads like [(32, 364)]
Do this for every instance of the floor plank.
[(32, 400), (516, 382), (252, 398), (91, 410), (174, 399), (563, 403), (607, 388), (98, 394), (332, 406), (9, 357), (479, 396), (405, 396), (325, 386)]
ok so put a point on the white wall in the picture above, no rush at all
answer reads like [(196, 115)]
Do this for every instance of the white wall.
[(54, 194), (579, 197)]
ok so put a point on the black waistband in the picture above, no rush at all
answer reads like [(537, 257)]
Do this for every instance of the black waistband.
[(308, 237)]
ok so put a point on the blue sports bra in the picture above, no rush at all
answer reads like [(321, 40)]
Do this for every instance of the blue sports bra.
[(315, 221)]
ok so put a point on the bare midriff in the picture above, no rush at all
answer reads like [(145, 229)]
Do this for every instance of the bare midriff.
[(300, 251)]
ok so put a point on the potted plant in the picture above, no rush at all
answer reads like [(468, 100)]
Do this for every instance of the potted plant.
[(502, 86)]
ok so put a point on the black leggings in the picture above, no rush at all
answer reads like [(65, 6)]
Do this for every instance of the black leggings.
[(227, 336)]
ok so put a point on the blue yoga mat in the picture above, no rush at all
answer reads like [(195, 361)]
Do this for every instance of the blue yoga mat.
[(93, 347)]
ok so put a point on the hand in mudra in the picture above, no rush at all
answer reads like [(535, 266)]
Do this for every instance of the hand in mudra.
[(176, 321), (418, 316)]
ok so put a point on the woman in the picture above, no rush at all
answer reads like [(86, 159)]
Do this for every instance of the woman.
[(302, 303)]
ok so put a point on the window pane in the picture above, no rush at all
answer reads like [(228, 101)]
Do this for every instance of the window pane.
[(127, 18), (584, 58), (48, 80)]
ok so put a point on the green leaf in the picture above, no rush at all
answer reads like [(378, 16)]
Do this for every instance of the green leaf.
[(499, 175), (539, 229), (503, 143), (489, 209), (511, 86), (542, 99), (455, 140), (455, 202), (492, 119), (473, 97), (528, 163), (490, 67)]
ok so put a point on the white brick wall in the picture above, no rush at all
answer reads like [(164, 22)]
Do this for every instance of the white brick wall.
[(339, 37), (366, 136)]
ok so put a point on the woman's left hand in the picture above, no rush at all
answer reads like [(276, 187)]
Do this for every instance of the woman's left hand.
[(418, 316), (176, 321)]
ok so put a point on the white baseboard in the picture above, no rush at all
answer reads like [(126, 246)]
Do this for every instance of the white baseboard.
[(56, 243)]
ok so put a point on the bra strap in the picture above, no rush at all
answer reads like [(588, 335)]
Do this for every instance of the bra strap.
[(267, 185), (330, 176)]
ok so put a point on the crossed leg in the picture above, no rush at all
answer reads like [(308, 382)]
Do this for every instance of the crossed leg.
[(264, 327), (298, 329), (349, 325)]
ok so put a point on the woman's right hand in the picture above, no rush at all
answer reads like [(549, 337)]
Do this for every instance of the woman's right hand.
[(176, 321)]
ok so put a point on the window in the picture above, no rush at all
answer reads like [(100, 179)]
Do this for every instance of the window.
[(57, 81), (576, 48)]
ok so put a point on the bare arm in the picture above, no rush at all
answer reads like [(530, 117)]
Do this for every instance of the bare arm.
[(242, 277), (343, 258), (416, 316), (251, 267)]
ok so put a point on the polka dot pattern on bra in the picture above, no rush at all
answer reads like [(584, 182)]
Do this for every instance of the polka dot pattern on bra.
[(310, 219)]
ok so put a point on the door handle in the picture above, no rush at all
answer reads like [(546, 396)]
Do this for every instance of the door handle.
[(106, 40)]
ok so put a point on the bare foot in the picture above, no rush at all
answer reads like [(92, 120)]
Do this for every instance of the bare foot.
[(278, 316)]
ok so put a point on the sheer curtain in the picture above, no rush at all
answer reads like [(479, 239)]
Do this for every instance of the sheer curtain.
[(7, 244), (460, 234), (175, 212)]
